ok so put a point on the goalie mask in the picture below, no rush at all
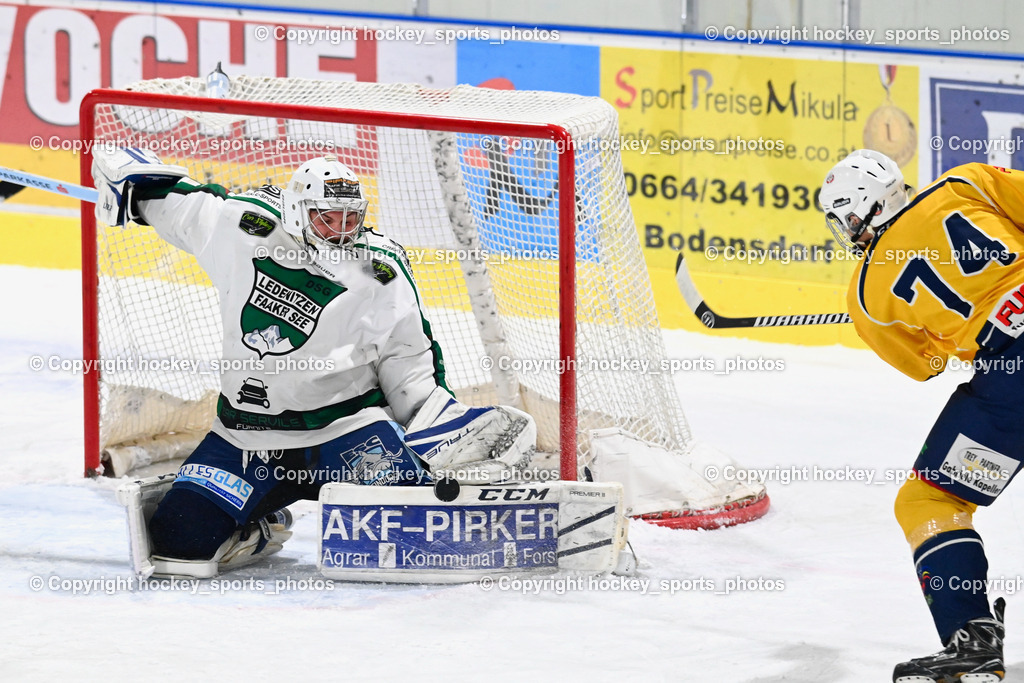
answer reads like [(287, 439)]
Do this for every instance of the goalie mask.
[(324, 206), (861, 195)]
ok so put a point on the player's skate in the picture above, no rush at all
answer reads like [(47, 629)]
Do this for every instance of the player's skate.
[(973, 655)]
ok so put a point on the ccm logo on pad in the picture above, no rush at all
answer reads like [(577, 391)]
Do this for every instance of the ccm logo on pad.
[(513, 494)]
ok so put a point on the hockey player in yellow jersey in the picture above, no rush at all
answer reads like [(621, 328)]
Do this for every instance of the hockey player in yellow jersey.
[(942, 275)]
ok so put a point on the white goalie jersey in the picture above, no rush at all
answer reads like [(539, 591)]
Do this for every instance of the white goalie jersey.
[(315, 345)]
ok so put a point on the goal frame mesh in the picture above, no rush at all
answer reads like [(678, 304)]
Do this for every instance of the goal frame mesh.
[(558, 135)]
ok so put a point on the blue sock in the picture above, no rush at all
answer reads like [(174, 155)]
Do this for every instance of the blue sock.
[(952, 568)]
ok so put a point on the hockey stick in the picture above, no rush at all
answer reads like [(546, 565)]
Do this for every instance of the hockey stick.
[(8, 190), (38, 182), (711, 320)]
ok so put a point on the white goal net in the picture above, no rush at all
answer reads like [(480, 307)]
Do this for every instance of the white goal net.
[(473, 183)]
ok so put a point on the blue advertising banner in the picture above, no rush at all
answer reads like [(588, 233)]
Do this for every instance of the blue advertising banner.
[(515, 180), (976, 122), (554, 66)]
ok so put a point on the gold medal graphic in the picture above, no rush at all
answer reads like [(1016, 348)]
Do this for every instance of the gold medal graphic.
[(888, 129)]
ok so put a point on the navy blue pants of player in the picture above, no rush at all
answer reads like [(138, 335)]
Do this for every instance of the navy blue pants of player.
[(220, 487), (977, 443), (972, 452)]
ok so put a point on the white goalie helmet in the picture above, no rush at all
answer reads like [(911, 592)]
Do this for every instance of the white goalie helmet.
[(861, 195), (318, 189)]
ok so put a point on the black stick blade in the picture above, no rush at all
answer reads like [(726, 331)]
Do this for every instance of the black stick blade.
[(712, 320)]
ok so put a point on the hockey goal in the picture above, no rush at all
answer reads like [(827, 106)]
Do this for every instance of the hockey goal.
[(513, 209)]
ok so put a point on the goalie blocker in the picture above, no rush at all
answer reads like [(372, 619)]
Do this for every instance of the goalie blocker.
[(407, 535)]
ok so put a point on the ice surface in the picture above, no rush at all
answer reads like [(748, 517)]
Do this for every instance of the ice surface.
[(849, 607)]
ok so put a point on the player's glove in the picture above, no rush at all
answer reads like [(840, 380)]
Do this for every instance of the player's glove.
[(117, 176)]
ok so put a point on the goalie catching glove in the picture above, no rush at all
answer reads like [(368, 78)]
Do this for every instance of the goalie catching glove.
[(118, 174), (476, 445)]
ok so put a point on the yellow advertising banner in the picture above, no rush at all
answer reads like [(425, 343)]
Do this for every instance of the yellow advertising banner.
[(724, 155)]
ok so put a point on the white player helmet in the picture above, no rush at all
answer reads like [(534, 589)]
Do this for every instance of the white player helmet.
[(318, 186), (861, 195)]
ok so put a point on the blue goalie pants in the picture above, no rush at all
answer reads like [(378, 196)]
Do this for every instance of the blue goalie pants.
[(221, 487)]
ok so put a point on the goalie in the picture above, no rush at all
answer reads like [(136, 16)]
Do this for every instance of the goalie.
[(302, 283)]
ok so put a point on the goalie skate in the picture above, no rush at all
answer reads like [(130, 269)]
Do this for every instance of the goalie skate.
[(973, 655)]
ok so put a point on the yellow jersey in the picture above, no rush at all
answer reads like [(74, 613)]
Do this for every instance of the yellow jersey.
[(947, 276)]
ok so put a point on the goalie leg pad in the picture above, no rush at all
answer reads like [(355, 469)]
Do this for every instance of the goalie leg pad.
[(406, 535), (140, 499), (186, 525), (246, 545), (235, 547), (173, 531)]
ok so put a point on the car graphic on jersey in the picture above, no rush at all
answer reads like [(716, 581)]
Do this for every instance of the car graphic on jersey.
[(253, 391)]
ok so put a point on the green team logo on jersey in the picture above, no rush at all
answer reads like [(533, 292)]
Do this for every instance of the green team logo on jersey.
[(283, 307)]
